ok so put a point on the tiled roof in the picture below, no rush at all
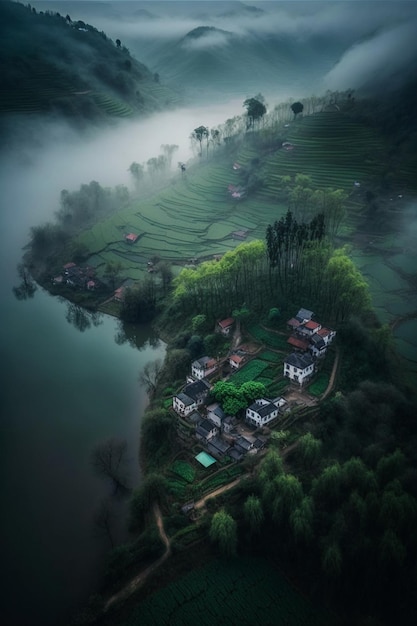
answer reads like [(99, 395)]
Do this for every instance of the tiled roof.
[(302, 361), (298, 343), (227, 322), (305, 314), (312, 325)]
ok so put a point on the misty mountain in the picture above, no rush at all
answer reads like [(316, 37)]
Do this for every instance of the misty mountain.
[(210, 59), (51, 64)]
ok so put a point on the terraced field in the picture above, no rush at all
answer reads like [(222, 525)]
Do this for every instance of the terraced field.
[(196, 215)]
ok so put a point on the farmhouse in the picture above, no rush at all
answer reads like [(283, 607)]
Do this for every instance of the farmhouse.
[(119, 294), (243, 445), (317, 345), (327, 335), (218, 446), (192, 396), (263, 411), (206, 430), (203, 367), (236, 360), (308, 334), (216, 414), (225, 326), (310, 327), (131, 238), (298, 343), (299, 367), (304, 315)]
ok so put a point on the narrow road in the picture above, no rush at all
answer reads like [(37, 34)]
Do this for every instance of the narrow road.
[(332, 376), (137, 581), (213, 494)]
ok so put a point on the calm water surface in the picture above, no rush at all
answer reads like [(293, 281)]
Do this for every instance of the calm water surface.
[(62, 391)]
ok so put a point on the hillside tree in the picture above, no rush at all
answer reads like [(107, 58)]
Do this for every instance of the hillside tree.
[(223, 532), (199, 134), (296, 108), (255, 110)]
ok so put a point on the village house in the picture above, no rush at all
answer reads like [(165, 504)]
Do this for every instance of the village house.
[(303, 316), (309, 335), (236, 360), (243, 445), (317, 346), (309, 328), (203, 367), (299, 367), (225, 326), (193, 395), (327, 335), (218, 446), (299, 343), (119, 294), (263, 411), (206, 430), (216, 414)]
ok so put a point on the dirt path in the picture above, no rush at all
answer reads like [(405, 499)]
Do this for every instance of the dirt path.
[(136, 582), (213, 494), (332, 376)]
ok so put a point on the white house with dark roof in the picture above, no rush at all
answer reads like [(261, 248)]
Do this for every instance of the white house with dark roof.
[(263, 411), (192, 396), (203, 367), (299, 367)]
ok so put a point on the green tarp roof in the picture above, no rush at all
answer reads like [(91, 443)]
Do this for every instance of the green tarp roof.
[(205, 459)]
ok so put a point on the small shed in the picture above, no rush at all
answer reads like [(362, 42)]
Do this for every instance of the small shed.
[(131, 238)]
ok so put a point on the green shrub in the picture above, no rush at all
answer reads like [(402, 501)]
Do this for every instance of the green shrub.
[(184, 470)]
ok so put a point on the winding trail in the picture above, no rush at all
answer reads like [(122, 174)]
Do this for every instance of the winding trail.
[(137, 581)]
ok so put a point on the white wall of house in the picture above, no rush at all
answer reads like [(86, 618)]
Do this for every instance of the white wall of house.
[(201, 372), (297, 374), (257, 420), (182, 408)]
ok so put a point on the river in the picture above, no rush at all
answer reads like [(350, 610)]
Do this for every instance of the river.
[(63, 390)]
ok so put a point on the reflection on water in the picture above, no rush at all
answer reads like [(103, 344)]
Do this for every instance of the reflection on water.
[(82, 319), (63, 393)]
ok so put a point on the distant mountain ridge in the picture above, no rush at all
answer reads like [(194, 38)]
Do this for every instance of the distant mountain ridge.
[(50, 64)]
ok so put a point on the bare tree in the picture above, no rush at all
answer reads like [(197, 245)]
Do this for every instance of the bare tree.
[(150, 375), (109, 460)]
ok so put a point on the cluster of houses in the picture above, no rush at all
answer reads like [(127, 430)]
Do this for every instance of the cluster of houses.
[(214, 428), (217, 431), (75, 276), (309, 340)]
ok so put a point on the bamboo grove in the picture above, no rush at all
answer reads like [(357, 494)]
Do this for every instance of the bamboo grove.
[(297, 264)]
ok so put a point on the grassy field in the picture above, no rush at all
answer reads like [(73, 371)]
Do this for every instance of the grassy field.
[(243, 591), (195, 215)]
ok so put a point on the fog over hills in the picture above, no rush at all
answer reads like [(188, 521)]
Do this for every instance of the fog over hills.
[(305, 46)]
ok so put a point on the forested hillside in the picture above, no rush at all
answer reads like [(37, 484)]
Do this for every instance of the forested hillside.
[(51, 64)]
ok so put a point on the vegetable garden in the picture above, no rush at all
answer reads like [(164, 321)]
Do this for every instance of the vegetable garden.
[(243, 591)]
